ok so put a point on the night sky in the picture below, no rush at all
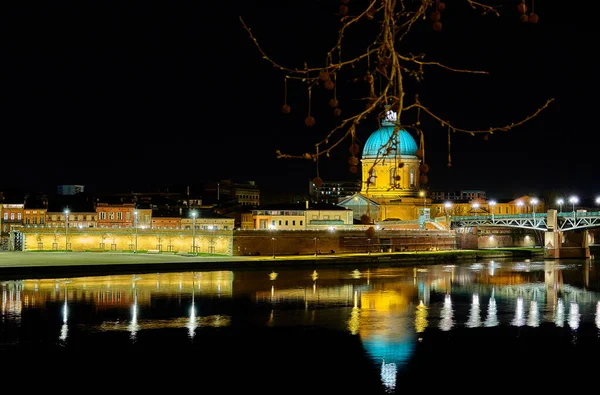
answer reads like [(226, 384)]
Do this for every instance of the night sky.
[(127, 94)]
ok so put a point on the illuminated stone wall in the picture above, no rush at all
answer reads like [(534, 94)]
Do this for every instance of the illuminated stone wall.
[(95, 239)]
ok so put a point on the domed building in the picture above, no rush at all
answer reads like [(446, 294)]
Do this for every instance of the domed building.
[(390, 176)]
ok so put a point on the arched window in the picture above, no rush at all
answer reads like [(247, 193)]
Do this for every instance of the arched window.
[(412, 177), (392, 176)]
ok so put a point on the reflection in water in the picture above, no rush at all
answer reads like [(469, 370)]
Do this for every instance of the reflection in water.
[(559, 316), (534, 314), (388, 309), (519, 319), (574, 315), (446, 323), (492, 313), (474, 315), (421, 318)]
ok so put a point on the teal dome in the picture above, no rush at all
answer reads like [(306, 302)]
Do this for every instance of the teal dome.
[(381, 136)]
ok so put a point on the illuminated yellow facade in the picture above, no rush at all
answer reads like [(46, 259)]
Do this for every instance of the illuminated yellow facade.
[(119, 239)]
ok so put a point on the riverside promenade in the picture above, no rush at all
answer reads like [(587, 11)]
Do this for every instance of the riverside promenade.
[(46, 264)]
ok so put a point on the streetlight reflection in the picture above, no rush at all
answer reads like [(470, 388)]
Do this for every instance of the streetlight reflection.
[(534, 314), (559, 315), (474, 319), (492, 313), (446, 323), (519, 319)]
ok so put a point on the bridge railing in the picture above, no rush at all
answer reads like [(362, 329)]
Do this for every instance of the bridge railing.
[(568, 214)]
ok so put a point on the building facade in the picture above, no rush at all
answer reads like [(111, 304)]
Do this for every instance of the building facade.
[(115, 215)]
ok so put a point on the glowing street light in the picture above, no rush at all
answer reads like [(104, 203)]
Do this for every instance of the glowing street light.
[(448, 207), (135, 219), (598, 201), (533, 202), (424, 195), (560, 203), (357, 200), (573, 200), (492, 204), (520, 204), (475, 206), (194, 231), (66, 230), (273, 244)]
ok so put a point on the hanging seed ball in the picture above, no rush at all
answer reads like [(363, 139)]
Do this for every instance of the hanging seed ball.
[(419, 153), (365, 219), (397, 177), (424, 168), (344, 1), (369, 232), (423, 179), (441, 6), (329, 85), (437, 26), (369, 78), (309, 121), (353, 161), (343, 9), (354, 148), (400, 165), (435, 16), (333, 103), (533, 18), (318, 182), (324, 76), (524, 18), (485, 137), (449, 164), (286, 109), (371, 13), (337, 112), (353, 169), (522, 7)]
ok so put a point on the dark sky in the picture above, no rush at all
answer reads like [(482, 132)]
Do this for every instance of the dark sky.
[(124, 94)]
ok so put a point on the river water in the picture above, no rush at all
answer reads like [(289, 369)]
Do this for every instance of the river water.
[(508, 325)]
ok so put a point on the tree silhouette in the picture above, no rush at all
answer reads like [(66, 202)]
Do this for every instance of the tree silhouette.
[(385, 70)]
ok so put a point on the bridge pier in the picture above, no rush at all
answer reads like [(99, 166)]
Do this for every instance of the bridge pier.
[(575, 245)]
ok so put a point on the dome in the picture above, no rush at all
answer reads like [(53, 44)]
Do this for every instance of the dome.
[(381, 136)]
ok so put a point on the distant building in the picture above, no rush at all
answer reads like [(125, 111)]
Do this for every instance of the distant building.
[(227, 192), (331, 192), (463, 194), (69, 189)]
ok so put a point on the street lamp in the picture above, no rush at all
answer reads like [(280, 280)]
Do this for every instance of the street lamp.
[(475, 206), (520, 204), (66, 230), (273, 244), (316, 246), (533, 202), (422, 193), (560, 203), (492, 204), (448, 207), (573, 200), (135, 219), (598, 201), (193, 231)]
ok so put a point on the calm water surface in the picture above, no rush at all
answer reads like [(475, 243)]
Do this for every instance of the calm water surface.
[(527, 325)]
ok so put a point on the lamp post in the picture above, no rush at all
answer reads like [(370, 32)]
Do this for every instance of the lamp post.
[(358, 202), (66, 230), (448, 207), (598, 201), (316, 246), (135, 225), (194, 232), (560, 203), (422, 193), (573, 200), (533, 202), (475, 206), (520, 204), (273, 245), (492, 204)]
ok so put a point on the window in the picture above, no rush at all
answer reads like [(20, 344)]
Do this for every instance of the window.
[(286, 223), (336, 217), (326, 217), (102, 215), (294, 223), (300, 223), (393, 176), (12, 216), (34, 220), (42, 220), (119, 215), (412, 177), (315, 217), (5, 216), (279, 222), (273, 222), (111, 215), (128, 216), (27, 221), (19, 216)]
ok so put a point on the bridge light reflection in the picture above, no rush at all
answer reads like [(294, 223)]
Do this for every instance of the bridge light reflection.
[(598, 315), (534, 314), (519, 319), (492, 313), (474, 319), (559, 316), (574, 315), (446, 323)]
